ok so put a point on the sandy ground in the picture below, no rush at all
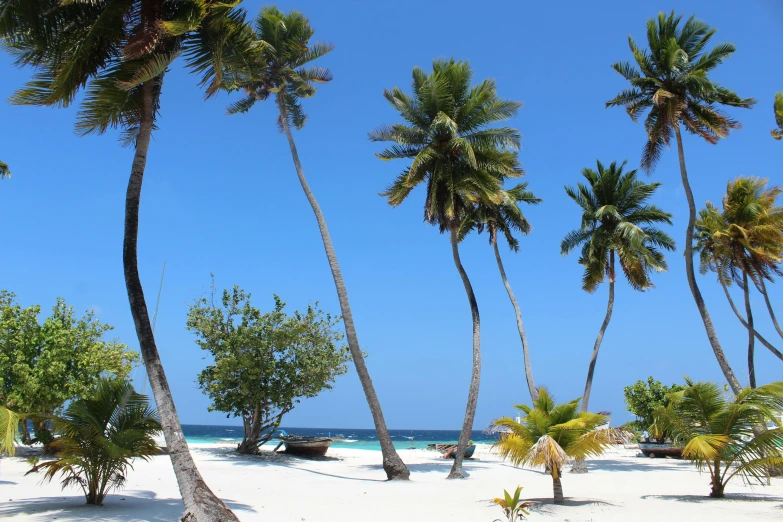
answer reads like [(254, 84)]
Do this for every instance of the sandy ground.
[(349, 486)]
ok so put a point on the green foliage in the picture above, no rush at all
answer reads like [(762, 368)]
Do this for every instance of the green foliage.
[(642, 398), (513, 507), (44, 365), (282, 49), (778, 107), (113, 49), (99, 437), (550, 434), (617, 218), (5, 172), (746, 237), (9, 430), (451, 142), (669, 80), (264, 364), (727, 434)]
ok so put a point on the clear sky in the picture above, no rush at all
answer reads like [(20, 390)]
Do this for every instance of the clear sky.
[(221, 195)]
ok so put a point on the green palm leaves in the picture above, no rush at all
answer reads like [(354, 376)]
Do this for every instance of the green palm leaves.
[(617, 218), (112, 48), (449, 137), (283, 49), (5, 172), (670, 81), (550, 434), (100, 436), (727, 435), (9, 429), (778, 107)]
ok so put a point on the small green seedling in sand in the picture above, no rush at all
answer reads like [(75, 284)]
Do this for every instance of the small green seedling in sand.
[(513, 507)]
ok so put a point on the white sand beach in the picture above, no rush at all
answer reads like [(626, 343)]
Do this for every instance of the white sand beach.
[(348, 486)]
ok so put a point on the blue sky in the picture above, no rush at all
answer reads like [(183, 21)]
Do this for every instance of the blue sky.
[(221, 196)]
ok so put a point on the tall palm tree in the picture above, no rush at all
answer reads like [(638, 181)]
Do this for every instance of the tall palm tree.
[(778, 107), (280, 69), (744, 244), (505, 218), (616, 221), (549, 435), (461, 159), (671, 83), (117, 52)]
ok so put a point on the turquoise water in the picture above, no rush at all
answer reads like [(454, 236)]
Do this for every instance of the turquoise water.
[(343, 438)]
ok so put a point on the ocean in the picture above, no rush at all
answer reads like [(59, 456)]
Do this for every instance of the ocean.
[(344, 438)]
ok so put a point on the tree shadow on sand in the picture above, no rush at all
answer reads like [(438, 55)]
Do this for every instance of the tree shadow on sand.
[(640, 464), (742, 497), (141, 506)]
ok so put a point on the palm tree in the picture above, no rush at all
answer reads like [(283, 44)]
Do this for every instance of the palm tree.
[(99, 437), (743, 243), (461, 159), (549, 434), (118, 52), (280, 69), (616, 221), (5, 172), (727, 435), (671, 82), (778, 106), (505, 218)]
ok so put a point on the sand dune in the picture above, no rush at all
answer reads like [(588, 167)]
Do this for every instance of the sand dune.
[(349, 487)]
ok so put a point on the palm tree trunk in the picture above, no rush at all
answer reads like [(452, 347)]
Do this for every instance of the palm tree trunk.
[(475, 377), (769, 307), (705, 315), (763, 341), (557, 489), (201, 504), (751, 337), (392, 463), (531, 385)]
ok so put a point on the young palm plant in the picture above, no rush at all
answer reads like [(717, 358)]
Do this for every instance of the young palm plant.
[(778, 107), (117, 52), (462, 159), (617, 221), (744, 243), (727, 435), (549, 435), (671, 83), (99, 438), (505, 218), (281, 70)]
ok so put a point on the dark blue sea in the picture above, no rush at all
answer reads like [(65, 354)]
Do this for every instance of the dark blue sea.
[(343, 437)]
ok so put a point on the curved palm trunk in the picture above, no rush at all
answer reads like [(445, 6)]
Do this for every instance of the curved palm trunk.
[(705, 315), (531, 385), (751, 337), (761, 339), (769, 307), (475, 377), (392, 463), (201, 504)]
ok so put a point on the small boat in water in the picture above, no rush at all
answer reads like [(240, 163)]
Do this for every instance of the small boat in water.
[(305, 446), (652, 450)]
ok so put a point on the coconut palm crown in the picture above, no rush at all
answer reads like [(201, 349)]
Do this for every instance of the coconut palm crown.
[(670, 82), (503, 218), (778, 108), (5, 172)]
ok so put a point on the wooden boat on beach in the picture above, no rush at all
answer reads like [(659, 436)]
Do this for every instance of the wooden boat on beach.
[(449, 451), (652, 450), (305, 446)]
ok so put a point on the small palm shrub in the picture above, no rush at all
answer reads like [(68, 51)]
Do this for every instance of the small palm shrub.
[(550, 434), (513, 507), (727, 434), (98, 438)]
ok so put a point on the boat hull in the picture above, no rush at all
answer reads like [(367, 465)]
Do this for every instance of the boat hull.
[(653, 450), (307, 447)]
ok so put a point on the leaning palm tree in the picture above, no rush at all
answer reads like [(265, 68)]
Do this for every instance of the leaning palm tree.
[(461, 159), (671, 83), (727, 435), (5, 172), (280, 69), (549, 435), (506, 218), (778, 106), (118, 52), (743, 243), (617, 222), (100, 436)]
